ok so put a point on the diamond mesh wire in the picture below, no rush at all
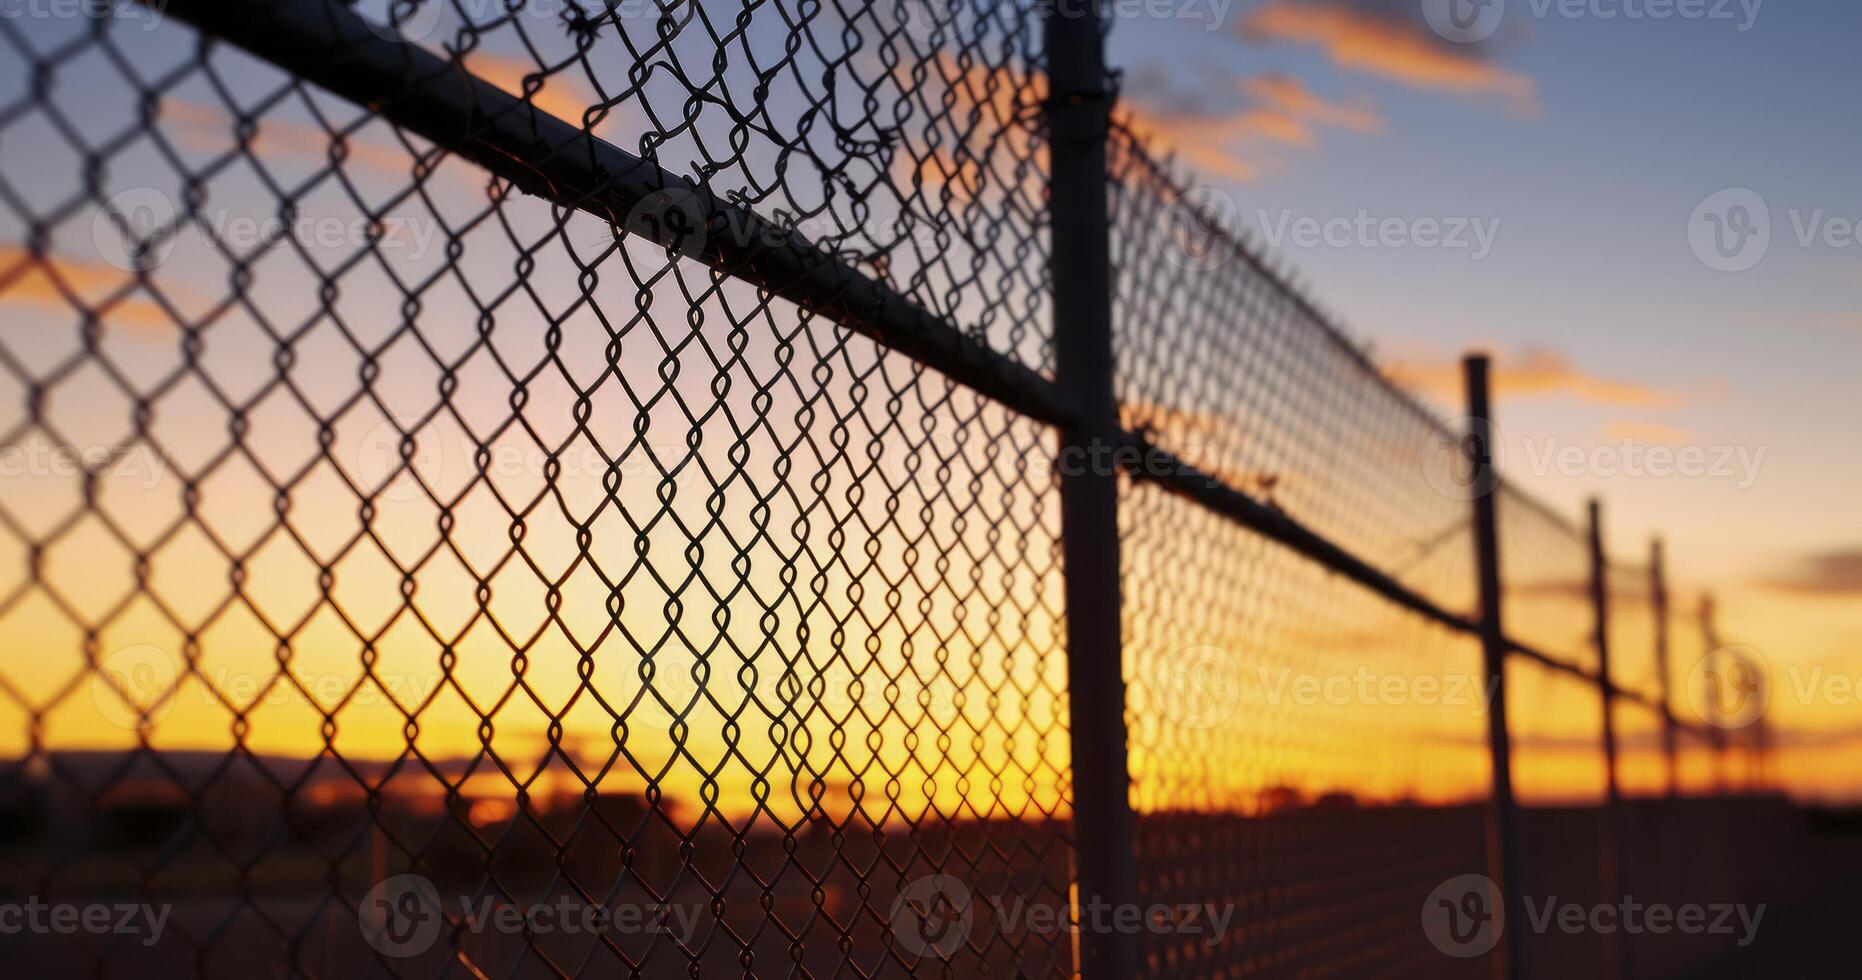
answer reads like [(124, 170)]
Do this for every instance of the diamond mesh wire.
[(1555, 722), (419, 526), (1634, 667), (379, 507), (1225, 365), (1545, 569), (1641, 763), (1269, 775), (898, 135), (1301, 749), (1642, 767)]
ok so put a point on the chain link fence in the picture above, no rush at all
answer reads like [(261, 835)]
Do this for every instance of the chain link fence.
[(533, 488)]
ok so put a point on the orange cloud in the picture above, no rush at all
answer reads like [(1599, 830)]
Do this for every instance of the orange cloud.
[(1387, 45), (210, 129), (1534, 372), (62, 284), (1276, 125), (1201, 142), (1290, 95), (938, 170), (1281, 110), (1829, 573), (998, 97), (562, 95), (1653, 433)]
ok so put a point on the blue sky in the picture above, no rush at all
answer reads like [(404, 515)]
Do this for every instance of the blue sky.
[(1592, 180)]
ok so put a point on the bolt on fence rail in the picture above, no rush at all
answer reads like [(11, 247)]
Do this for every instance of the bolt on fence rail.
[(800, 511)]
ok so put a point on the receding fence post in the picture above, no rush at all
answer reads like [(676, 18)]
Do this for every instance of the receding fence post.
[(1080, 266), (1611, 852), (1503, 832), (1658, 601), (1716, 735), (1600, 620)]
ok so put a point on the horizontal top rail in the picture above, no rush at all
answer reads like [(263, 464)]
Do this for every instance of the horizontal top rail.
[(1159, 466), (541, 154)]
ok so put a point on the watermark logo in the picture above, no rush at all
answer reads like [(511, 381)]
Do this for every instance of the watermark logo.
[(929, 21), (937, 914), (1195, 687), (135, 229), (134, 687), (407, 20), (1461, 458), (1731, 231), (1473, 21), (390, 457), (1464, 21), (1193, 228), (933, 916), (1464, 916), (1730, 687), (401, 916), (674, 218), (1735, 229)]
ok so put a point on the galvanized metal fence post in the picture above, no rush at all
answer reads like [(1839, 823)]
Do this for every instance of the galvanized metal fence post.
[(1658, 600), (1503, 830), (1078, 114)]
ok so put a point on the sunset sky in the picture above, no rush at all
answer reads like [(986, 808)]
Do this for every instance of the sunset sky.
[(1583, 147), (1590, 142)]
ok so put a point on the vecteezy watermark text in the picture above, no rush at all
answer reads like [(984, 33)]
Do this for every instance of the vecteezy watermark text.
[(37, 917), (1365, 687), (1636, 460), (39, 458), (1459, 466), (147, 13), (138, 229), (1365, 230), (1195, 229), (1464, 917), (936, 915), (403, 916)]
